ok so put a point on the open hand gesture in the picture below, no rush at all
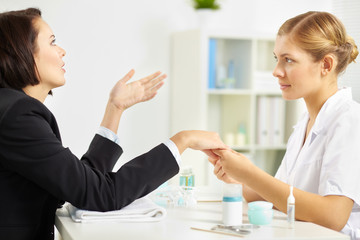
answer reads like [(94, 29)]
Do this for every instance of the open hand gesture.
[(124, 94)]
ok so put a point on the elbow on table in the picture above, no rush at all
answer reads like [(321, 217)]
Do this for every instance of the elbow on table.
[(337, 213), (337, 225)]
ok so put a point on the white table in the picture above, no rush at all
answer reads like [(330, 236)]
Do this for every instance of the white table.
[(178, 225)]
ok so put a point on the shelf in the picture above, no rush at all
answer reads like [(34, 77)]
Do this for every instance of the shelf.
[(270, 147), (248, 148), (229, 92), (268, 93)]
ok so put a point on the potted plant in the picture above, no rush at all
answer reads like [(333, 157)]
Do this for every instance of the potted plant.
[(206, 4), (205, 10)]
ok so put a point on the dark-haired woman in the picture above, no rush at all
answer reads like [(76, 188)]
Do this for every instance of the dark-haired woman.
[(36, 172)]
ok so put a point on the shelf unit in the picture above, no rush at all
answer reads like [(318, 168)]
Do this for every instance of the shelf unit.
[(199, 103)]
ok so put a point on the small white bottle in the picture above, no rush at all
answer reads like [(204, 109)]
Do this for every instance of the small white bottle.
[(291, 209), (232, 204)]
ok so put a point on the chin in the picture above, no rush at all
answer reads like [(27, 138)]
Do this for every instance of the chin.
[(287, 96), (59, 84)]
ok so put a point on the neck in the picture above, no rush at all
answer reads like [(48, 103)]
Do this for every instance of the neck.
[(37, 92), (315, 101)]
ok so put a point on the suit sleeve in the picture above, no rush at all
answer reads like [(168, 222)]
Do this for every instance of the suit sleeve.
[(30, 148), (102, 154)]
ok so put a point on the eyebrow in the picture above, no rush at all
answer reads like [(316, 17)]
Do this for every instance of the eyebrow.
[(52, 36), (283, 55)]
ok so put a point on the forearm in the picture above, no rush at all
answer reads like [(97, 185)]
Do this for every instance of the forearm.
[(250, 195), (326, 211), (111, 117)]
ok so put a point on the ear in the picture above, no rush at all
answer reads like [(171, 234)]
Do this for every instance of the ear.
[(327, 64)]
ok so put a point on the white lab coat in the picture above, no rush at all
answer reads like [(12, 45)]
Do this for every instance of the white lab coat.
[(329, 161)]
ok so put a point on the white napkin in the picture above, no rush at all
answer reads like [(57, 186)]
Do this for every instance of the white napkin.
[(141, 210)]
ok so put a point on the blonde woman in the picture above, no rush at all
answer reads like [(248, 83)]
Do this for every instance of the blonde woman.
[(322, 159)]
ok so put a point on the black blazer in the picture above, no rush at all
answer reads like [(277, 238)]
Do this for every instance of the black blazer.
[(37, 172)]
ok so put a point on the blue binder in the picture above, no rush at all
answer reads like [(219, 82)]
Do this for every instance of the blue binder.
[(212, 63)]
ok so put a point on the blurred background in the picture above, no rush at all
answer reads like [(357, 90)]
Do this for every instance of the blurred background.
[(105, 39)]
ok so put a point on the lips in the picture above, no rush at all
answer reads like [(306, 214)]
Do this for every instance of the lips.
[(284, 86)]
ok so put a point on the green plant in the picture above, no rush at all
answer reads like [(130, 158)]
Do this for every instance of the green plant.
[(210, 4)]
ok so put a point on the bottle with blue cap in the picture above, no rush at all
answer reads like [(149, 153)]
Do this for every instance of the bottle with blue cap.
[(232, 204)]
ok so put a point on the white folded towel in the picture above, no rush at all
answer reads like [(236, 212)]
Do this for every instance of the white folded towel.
[(141, 210)]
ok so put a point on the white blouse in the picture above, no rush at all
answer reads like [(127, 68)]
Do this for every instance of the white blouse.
[(328, 163)]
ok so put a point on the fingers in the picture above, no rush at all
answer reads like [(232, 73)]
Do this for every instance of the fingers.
[(128, 76), (211, 155), (150, 77), (157, 86), (217, 167), (213, 160), (218, 152), (151, 93), (218, 171), (154, 82)]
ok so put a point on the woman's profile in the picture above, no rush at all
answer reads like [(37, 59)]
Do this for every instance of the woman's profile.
[(322, 160), (37, 173)]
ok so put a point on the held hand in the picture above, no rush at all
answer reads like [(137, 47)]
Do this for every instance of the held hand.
[(199, 140), (124, 95)]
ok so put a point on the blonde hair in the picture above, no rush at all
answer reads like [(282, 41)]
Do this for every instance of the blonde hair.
[(319, 34)]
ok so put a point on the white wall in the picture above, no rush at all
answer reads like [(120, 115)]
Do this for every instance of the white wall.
[(105, 39)]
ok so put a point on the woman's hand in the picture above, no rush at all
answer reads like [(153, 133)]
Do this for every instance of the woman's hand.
[(199, 140), (232, 166), (221, 175), (219, 172), (124, 95)]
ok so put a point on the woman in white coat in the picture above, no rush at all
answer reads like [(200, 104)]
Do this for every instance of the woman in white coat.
[(322, 159)]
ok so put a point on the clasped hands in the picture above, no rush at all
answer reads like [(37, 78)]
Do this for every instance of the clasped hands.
[(230, 166)]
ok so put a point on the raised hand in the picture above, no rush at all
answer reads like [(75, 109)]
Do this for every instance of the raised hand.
[(124, 94)]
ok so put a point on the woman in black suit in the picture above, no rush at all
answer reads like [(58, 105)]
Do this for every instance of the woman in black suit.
[(36, 172)]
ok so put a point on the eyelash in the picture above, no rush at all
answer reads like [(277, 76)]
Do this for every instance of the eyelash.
[(288, 60), (53, 42)]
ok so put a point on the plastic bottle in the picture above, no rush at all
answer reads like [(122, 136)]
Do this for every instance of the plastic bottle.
[(187, 177), (291, 209), (232, 204)]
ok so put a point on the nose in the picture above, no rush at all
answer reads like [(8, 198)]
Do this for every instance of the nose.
[(278, 71), (61, 51)]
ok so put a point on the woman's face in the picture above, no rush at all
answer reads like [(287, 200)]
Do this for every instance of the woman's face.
[(299, 76), (48, 58)]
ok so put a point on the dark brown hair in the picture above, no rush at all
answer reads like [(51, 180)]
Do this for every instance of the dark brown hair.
[(17, 47), (319, 34)]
